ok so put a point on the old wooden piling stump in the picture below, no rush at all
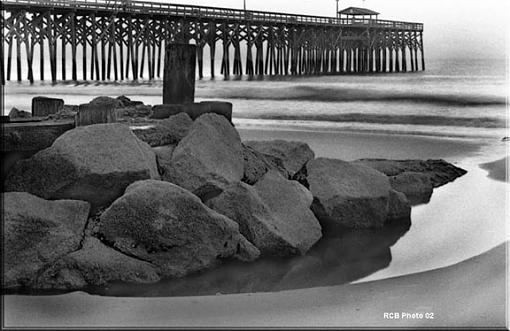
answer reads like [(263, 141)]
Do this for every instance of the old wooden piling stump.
[(218, 107), (179, 74), (97, 113), (43, 106)]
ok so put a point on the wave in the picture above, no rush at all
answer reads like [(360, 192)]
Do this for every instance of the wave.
[(266, 90), (475, 122), (339, 94)]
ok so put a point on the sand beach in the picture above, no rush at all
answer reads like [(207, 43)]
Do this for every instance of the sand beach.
[(465, 287)]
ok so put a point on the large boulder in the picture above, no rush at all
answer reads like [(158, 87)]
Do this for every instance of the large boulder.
[(399, 208), (209, 158), (257, 165), (127, 102), (440, 172), (274, 214), (416, 186), (95, 265), (93, 163), (15, 113), (348, 195), (168, 226), (38, 232), (167, 132), (292, 154)]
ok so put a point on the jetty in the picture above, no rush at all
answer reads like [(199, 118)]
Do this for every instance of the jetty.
[(125, 40)]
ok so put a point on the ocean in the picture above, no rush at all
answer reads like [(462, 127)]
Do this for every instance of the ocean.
[(452, 98)]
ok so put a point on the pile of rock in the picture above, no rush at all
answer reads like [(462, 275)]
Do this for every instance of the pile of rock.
[(199, 197)]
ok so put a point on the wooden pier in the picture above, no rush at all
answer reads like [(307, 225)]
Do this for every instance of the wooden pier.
[(125, 40)]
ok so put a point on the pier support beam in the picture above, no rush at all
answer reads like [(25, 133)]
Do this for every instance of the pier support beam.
[(179, 74)]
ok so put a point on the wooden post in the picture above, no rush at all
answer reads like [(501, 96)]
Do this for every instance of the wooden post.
[(415, 47), (259, 60), (404, 55), (200, 59), (73, 47), (212, 50), (411, 55), (2, 73), (43, 106), (63, 37), (84, 44), (103, 38), (18, 46), (29, 46), (179, 74), (114, 46), (160, 40), (391, 66), (397, 57), (42, 28), (422, 52), (96, 113), (121, 42), (384, 59), (53, 46)]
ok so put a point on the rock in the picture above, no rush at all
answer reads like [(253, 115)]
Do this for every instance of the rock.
[(440, 172), (43, 106), (163, 156), (347, 195), (127, 102), (208, 158), (37, 232), (274, 214), (67, 113), (93, 163), (257, 165), (16, 113), (416, 186), (167, 132), (293, 154), (98, 111), (165, 111), (168, 226), (246, 251), (399, 208), (95, 265), (103, 100)]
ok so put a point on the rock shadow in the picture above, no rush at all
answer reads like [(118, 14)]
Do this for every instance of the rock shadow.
[(346, 257)]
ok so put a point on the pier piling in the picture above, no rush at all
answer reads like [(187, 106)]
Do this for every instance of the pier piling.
[(128, 42)]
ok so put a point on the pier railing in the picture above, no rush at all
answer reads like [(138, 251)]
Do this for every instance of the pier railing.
[(205, 12)]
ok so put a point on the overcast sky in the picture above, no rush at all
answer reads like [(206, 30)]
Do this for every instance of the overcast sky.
[(453, 28)]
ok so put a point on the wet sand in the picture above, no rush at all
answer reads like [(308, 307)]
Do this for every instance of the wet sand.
[(468, 294), (351, 146), (498, 169)]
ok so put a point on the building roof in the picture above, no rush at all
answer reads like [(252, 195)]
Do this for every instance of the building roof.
[(357, 11)]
